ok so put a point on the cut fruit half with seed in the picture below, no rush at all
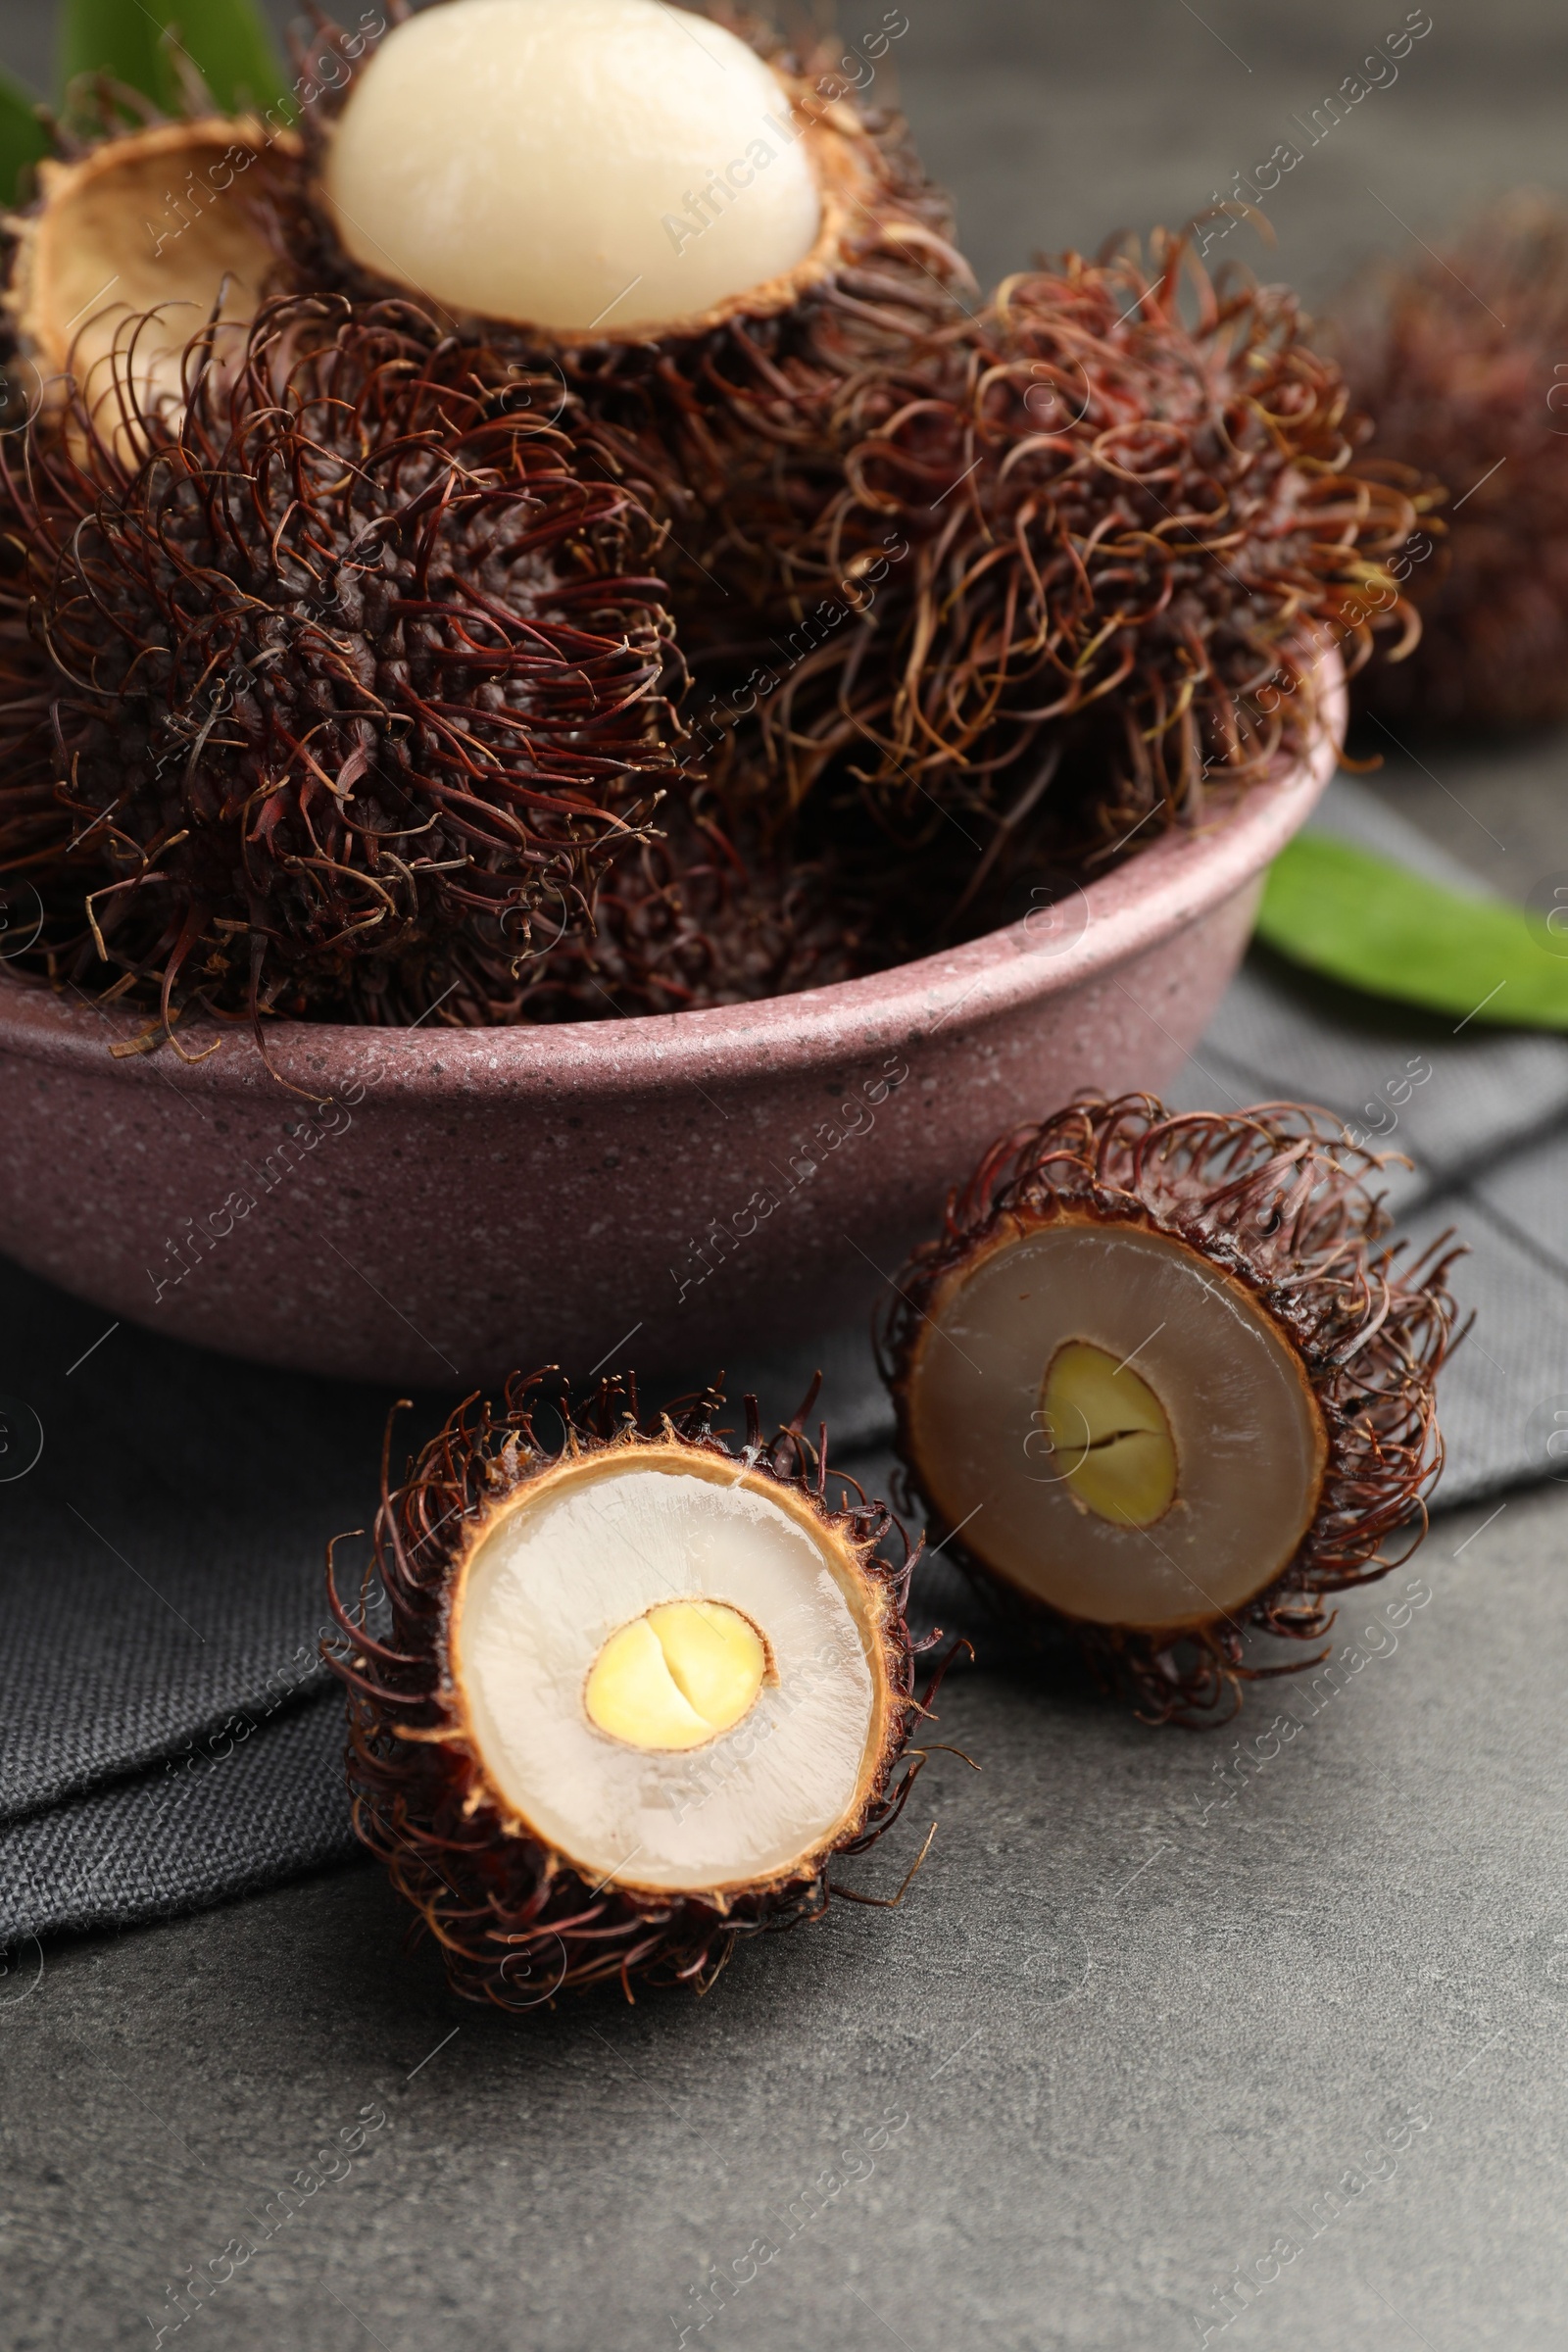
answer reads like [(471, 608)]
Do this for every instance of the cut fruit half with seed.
[(1160, 1381), (637, 1691)]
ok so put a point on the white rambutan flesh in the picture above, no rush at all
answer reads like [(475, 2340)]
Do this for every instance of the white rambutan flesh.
[(571, 163), (669, 1670)]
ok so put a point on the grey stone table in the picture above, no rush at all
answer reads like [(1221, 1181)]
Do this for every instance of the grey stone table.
[(1147, 2020), (1161, 2050)]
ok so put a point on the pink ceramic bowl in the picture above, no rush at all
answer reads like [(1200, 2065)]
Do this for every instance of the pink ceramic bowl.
[(664, 1192)]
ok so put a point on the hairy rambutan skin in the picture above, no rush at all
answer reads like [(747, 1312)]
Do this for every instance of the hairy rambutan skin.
[(1129, 521), (688, 920), (338, 685), (1275, 1197), (1459, 357), (515, 1923)]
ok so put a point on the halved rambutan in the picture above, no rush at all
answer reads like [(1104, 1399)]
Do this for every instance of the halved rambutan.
[(637, 1691), (330, 697), (1161, 1383)]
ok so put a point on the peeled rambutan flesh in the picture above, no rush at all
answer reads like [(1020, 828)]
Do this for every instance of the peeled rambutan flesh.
[(637, 1691), (1162, 1385), (590, 123), (1459, 357), (331, 695)]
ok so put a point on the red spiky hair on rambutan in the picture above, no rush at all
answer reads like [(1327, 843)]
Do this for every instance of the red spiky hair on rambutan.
[(327, 687)]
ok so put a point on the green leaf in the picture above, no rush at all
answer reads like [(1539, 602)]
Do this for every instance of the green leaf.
[(1375, 926), (134, 40), (120, 38), (22, 137), (233, 47)]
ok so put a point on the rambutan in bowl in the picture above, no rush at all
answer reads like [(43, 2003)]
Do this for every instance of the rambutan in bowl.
[(439, 1206)]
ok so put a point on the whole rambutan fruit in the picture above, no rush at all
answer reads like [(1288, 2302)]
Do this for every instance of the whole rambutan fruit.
[(341, 688), (1129, 526), (636, 1693), (1160, 1381), (1459, 356)]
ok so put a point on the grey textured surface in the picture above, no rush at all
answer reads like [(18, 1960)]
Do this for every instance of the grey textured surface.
[(253, 1798), (1159, 2010), (1150, 2010), (162, 1562)]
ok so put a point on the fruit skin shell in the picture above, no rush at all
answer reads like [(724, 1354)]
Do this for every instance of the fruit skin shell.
[(92, 194), (347, 733), (515, 1922), (1274, 1197)]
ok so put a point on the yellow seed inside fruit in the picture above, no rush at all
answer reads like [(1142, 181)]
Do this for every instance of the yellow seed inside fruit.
[(1108, 1434), (679, 1674)]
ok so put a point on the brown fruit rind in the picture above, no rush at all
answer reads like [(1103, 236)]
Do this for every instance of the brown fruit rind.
[(339, 698), (90, 249), (515, 1922), (1123, 524), (1274, 1197), (697, 918)]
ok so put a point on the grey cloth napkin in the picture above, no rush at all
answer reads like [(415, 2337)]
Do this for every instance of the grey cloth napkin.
[(165, 1737)]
